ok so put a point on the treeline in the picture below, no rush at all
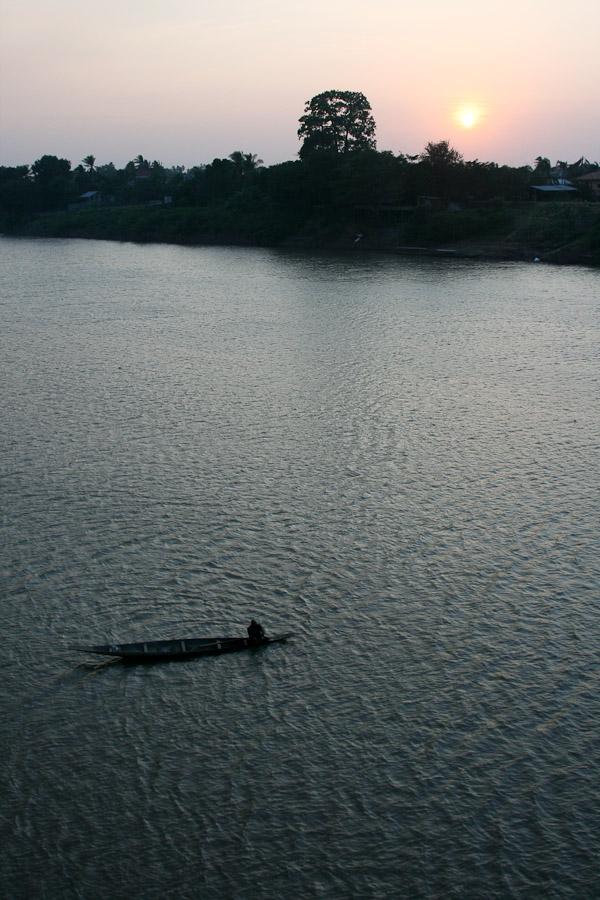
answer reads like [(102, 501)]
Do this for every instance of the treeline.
[(324, 179)]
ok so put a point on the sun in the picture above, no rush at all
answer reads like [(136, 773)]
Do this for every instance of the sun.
[(470, 114)]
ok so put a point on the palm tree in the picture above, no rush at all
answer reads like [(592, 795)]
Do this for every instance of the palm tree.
[(89, 162), (251, 162), (245, 162), (542, 165)]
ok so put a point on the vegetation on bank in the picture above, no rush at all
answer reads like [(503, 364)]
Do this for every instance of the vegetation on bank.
[(166, 224), (341, 192), (556, 232)]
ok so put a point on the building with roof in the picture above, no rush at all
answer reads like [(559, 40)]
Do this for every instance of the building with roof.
[(87, 200), (557, 189), (590, 184)]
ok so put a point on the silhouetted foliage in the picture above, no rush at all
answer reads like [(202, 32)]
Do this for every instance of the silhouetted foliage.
[(444, 170), (336, 121), (48, 167), (18, 197), (245, 163), (370, 179), (542, 170), (441, 155), (13, 173), (52, 178), (341, 182)]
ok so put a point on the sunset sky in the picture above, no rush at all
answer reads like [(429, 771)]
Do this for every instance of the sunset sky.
[(184, 82)]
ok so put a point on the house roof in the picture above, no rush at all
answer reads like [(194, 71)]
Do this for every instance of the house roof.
[(553, 188), (591, 176)]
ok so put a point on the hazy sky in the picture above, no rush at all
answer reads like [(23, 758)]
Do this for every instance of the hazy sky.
[(184, 81)]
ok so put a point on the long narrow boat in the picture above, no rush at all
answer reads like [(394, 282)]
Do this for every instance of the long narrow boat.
[(180, 649)]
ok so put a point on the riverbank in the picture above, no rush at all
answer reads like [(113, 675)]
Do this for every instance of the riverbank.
[(552, 232)]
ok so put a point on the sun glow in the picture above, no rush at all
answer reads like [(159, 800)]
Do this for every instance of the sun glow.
[(468, 119)]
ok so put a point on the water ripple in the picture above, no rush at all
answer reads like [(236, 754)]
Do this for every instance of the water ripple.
[(395, 459)]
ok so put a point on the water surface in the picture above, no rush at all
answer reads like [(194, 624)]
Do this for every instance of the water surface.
[(397, 459)]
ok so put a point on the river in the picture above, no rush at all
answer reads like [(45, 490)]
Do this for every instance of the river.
[(394, 458)]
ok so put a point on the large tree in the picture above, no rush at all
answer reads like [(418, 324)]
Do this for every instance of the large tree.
[(441, 155), (52, 178), (48, 167), (337, 121), (443, 168)]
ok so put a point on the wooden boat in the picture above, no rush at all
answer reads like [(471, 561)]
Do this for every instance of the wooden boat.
[(180, 649)]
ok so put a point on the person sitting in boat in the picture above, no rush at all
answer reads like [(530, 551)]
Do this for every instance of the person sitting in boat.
[(255, 631)]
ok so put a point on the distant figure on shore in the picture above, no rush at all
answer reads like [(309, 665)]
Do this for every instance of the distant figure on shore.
[(255, 631)]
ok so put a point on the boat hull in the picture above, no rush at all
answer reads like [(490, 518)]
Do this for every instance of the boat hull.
[(180, 649)]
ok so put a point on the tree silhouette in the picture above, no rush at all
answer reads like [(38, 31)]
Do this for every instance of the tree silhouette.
[(245, 162), (442, 166), (440, 155), (542, 169), (337, 121)]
